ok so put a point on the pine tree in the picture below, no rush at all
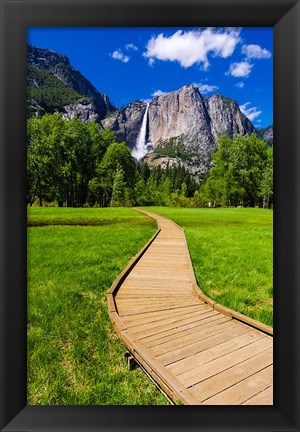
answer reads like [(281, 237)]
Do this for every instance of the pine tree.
[(119, 185)]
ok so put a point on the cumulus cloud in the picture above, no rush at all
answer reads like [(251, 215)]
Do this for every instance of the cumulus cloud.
[(131, 46), (241, 69), (255, 52), (240, 84), (206, 88), (158, 93), (118, 55), (192, 47), (251, 112)]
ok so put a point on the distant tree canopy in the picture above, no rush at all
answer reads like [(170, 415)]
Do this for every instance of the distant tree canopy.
[(242, 174), (62, 158), (75, 164)]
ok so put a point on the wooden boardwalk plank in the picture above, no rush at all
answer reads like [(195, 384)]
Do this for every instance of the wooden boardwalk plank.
[(213, 353), (194, 349), (186, 340), (149, 317), (220, 364), (156, 328), (232, 376), (264, 397), (242, 393), (133, 310), (201, 344), (180, 331)]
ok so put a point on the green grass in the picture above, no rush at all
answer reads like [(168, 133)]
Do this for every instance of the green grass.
[(74, 255), (232, 254), (42, 216), (74, 355)]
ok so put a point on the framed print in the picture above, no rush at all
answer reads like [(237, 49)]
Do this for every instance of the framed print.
[(22, 410)]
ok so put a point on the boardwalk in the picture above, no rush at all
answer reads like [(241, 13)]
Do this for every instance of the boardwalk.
[(197, 351)]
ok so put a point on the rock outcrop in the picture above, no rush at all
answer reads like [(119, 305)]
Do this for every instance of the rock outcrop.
[(59, 66), (267, 135), (85, 109), (226, 117), (154, 160), (126, 122)]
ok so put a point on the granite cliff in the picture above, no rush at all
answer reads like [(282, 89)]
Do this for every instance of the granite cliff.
[(182, 125)]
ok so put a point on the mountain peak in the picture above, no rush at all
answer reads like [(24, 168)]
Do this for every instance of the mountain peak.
[(44, 58), (59, 66)]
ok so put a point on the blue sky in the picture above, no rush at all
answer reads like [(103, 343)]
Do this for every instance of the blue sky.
[(136, 63)]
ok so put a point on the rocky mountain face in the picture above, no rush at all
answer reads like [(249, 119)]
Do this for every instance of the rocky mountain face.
[(182, 125), (59, 67), (267, 135), (226, 117), (181, 113), (126, 122), (85, 109)]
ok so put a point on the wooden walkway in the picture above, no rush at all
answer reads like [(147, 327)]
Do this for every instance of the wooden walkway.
[(197, 351)]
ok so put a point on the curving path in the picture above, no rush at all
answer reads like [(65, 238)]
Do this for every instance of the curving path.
[(197, 351)]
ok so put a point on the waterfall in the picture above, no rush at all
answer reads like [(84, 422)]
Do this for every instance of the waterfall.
[(141, 148)]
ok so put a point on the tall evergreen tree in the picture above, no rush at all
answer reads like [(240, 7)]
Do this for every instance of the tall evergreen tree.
[(118, 190)]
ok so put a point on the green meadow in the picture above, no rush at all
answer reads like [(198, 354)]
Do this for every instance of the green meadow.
[(74, 255), (74, 355)]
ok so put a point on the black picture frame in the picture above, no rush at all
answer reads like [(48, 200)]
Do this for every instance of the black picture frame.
[(16, 17)]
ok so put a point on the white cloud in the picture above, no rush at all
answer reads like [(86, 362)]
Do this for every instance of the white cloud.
[(252, 113), (255, 52), (131, 46), (158, 93), (206, 88), (118, 55), (240, 84), (192, 47), (239, 70)]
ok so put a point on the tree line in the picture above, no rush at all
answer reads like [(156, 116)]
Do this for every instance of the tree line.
[(242, 173), (75, 164)]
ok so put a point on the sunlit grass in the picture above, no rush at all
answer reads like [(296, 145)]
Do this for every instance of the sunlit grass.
[(232, 254), (74, 355)]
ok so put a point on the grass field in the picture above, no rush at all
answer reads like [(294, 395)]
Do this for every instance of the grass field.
[(74, 255), (74, 355), (232, 254)]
